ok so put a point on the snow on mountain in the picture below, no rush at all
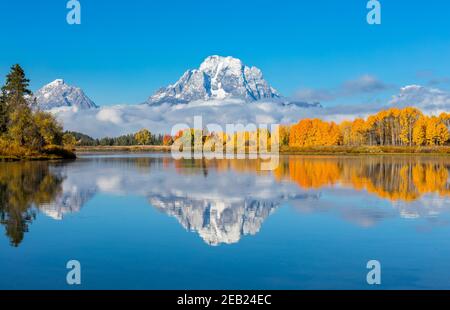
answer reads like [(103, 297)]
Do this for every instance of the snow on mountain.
[(217, 78), (58, 94)]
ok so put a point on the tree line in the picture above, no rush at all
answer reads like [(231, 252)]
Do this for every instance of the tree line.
[(392, 127), (142, 137)]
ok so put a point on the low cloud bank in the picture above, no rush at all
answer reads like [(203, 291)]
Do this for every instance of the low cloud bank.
[(124, 119)]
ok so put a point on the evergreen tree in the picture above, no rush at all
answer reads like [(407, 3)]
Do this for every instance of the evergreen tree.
[(16, 90)]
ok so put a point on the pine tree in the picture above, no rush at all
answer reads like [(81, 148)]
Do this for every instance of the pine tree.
[(16, 89)]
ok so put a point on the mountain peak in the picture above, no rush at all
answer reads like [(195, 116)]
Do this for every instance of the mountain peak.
[(216, 62), (217, 78), (59, 94), (56, 82)]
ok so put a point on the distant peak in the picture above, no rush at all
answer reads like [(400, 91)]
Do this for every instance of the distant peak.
[(220, 61), (217, 58), (59, 94), (57, 82)]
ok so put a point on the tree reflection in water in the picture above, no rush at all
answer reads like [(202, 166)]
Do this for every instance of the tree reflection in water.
[(223, 200), (393, 178), (23, 187)]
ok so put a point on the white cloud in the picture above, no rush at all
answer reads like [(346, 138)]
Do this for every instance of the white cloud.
[(112, 115), (124, 119), (429, 100)]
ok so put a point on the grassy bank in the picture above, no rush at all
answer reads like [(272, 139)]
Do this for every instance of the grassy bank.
[(134, 148), (325, 150), (367, 150), (48, 153)]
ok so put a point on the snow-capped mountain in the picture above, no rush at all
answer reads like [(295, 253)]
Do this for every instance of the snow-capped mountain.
[(59, 94), (217, 78)]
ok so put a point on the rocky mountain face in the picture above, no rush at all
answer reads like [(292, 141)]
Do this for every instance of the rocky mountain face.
[(217, 78), (59, 94)]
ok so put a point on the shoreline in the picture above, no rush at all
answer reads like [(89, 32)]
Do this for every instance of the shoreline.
[(52, 153), (332, 150), (130, 149)]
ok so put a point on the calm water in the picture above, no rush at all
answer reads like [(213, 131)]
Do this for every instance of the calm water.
[(149, 222)]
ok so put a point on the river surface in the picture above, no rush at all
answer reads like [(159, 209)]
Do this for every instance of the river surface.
[(152, 222)]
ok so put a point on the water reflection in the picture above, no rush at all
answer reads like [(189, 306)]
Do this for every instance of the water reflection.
[(224, 200), (23, 188), (393, 178)]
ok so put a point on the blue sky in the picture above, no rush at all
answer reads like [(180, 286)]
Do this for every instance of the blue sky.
[(124, 50)]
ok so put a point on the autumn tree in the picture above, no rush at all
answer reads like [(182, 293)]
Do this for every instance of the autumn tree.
[(143, 137), (431, 131), (167, 140), (284, 132), (420, 131), (69, 140), (445, 119), (442, 134), (346, 130), (408, 119), (359, 132), (299, 133), (23, 129), (50, 130), (315, 133)]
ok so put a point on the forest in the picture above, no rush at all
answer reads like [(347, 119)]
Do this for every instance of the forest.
[(392, 127), (142, 137)]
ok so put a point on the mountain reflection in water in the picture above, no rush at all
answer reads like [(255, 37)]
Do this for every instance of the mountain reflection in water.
[(223, 200)]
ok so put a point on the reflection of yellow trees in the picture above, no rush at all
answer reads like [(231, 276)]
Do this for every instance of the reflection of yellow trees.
[(390, 178), (313, 174), (431, 178), (23, 187), (393, 178)]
